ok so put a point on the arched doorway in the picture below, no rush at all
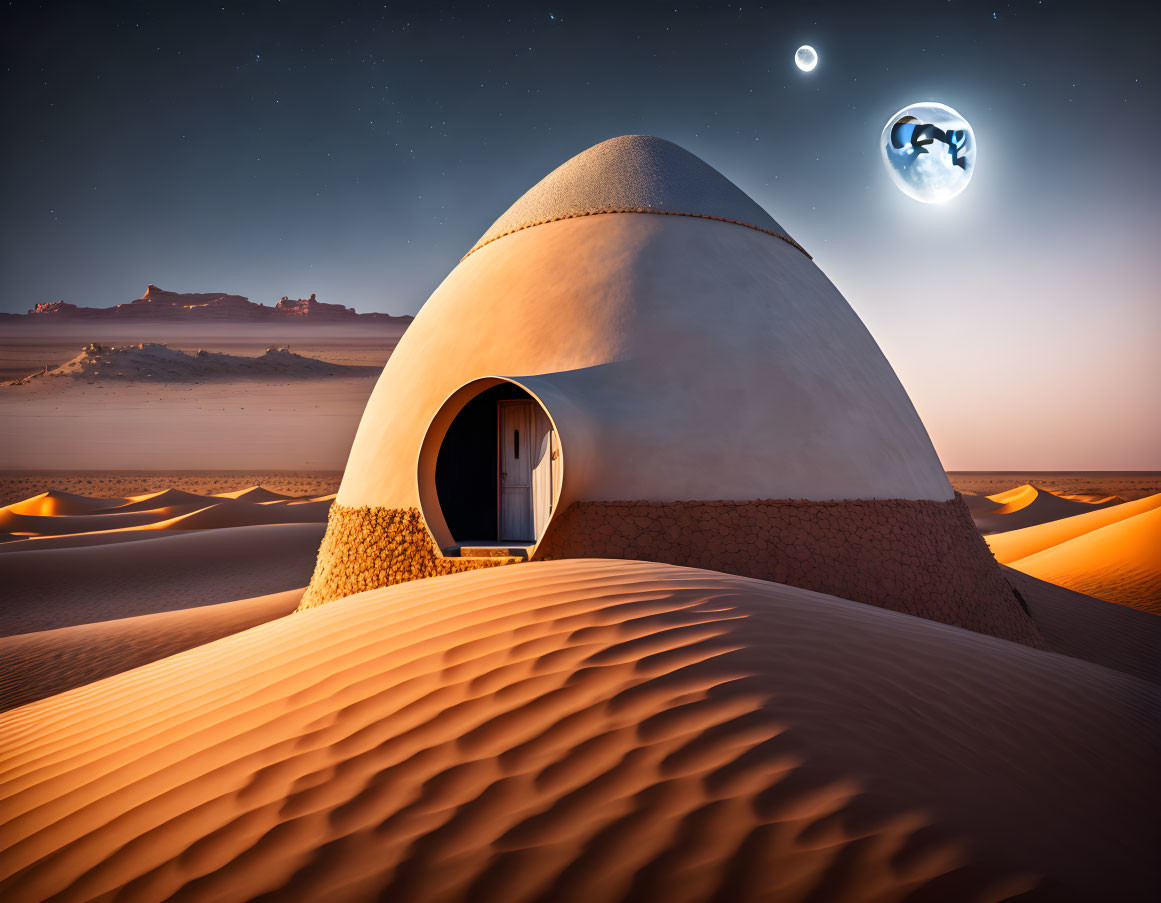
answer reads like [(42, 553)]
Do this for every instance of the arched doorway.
[(496, 468)]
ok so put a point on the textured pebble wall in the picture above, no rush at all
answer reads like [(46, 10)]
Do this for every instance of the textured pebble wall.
[(923, 558), (368, 548)]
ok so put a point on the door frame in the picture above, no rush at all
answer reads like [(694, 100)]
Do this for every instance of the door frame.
[(425, 485)]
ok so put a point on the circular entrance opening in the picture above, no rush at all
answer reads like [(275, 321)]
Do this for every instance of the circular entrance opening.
[(490, 468)]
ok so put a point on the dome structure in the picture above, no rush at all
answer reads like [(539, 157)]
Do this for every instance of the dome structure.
[(636, 361)]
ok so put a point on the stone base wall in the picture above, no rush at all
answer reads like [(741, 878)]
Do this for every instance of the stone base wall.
[(923, 558), (369, 548)]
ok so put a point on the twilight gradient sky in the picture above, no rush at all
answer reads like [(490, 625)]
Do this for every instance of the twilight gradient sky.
[(357, 150)]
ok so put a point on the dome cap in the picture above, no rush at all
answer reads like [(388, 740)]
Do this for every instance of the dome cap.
[(633, 174)]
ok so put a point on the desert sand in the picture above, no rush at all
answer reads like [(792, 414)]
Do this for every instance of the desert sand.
[(589, 730), (1091, 629), (1015, 544), (18, 486), (96, 585), (295, 414), (1111, 551), (1026, 506), (1085, 485), (36, 665), (1119, 563), (579, 729), (47, 589), (71, 560), (289, 425)]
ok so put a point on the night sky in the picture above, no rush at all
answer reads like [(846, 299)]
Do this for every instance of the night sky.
[(358, 150)]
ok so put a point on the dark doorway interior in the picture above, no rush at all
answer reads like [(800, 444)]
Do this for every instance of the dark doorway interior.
[(466, 467)]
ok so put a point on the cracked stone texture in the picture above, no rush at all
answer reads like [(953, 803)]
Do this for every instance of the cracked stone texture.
[(923, 558)]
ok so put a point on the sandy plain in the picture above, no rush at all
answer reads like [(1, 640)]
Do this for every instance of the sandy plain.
[(1089, 484), (273, 424)]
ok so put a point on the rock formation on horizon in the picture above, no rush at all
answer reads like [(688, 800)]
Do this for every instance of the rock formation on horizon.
[(157, 303)]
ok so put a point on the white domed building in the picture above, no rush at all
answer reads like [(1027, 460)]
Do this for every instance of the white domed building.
[(637, 361)]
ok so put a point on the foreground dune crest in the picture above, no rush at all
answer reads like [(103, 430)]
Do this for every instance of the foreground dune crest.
[(587, 730)]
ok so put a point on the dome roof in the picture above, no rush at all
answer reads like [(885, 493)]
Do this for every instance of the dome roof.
[(679, 358), (632, 173)]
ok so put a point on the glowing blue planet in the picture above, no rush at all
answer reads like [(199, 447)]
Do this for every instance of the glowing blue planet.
[(930, 151)]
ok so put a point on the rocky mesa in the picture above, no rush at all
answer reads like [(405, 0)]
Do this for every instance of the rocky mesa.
[(159, 304)]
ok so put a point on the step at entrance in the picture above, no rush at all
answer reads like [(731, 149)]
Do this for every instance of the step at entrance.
[(513, 552)]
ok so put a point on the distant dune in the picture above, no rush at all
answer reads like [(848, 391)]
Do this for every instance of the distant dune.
[(1080, 485), (150, 553), (36, 665), (98, 585), (1016, 544), (49, 588), (159, 363), (588, 730), (114, 486), (108, 520), (1026, 506), (1119, 562), (55, 502)]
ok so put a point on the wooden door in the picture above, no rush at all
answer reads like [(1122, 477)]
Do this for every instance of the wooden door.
[(543, 469), (516, 459)]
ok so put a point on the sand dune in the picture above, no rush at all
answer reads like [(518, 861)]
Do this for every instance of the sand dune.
[(1092, 629), (1120, 562), (232, 513), (322, 498), (589, 730), (169, 510), (49, 589), (212, 517), (1024, 506), (16, 486), (257, 494), (1096, 484), (222, 513), (980, 505), (82, 540), (166, 498), (55, 504), (36, 665), (1091, 498), (79, 523), (1016, 544)]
